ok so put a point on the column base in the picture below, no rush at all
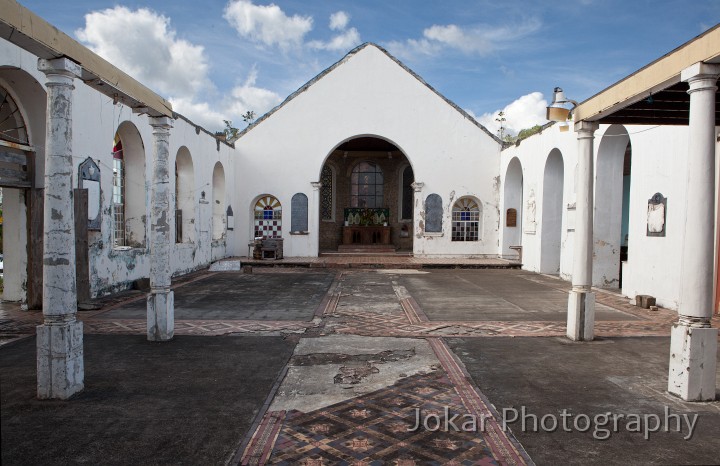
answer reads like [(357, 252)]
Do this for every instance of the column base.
[(581, 315), (160, 315), (693, 362), (60, 365)]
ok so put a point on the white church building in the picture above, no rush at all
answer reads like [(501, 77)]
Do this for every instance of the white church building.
[(104, 184)]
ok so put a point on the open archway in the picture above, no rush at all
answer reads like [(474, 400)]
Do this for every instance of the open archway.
[(184, 197), (23, 104), (512, 218), (552, 209), (366, 197), (609, 200), (218, 202)]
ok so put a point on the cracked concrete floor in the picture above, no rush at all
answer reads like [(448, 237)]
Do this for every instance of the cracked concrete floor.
[(363, 354)]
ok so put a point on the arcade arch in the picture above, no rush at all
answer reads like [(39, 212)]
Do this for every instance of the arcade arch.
[(374, 175)]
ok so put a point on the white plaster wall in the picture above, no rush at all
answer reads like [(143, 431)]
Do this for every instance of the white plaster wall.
[(95, 122), (658, 165), (532, 154), (368, 94), (659, 160), (14, 245)]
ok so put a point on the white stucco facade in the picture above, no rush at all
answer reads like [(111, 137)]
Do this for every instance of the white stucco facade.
[(96, 120), (369, 94), (658, 166)]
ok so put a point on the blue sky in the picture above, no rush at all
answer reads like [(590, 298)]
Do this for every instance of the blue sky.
[(216, 59)]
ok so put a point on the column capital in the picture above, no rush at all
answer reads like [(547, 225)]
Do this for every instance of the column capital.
[(417, 186), (700, 71), (60, 66), (162, 122), (584, 126), (316, 185)]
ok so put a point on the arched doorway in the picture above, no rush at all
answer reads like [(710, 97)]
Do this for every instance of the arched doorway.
[(218, 205), (23, 104), (184, 197), (366, 197), (612, 197), (512, 218), (552, 209)]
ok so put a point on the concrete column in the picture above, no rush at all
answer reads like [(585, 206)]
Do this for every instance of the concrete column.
[(693, 343), (418, 212), (581, 303), (60, 367), (160, 301), (314, 217)]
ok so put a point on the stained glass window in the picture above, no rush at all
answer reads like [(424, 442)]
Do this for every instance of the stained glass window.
[(465, 220), (12, 126), (326, 193), (268, 218), (366, 184)]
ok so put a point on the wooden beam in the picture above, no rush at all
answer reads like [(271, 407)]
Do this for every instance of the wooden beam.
[(13, 157)]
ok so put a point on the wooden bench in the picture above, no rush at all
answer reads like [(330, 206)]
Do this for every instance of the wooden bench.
[(272, 248)]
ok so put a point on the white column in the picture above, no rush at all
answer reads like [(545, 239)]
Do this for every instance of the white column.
[(418, 213), (581, 303), (60, 367), (693, 343), (314, 217), (160, 301)]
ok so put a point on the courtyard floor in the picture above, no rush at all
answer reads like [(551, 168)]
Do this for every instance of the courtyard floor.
[(326, 365)]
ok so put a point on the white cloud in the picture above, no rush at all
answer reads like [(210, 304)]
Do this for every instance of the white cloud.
[(268, 25), (143, 44), (249, 97), (413, 48), (339, 20), (480, 40), (200, 113), (342, 42), (523, 113)]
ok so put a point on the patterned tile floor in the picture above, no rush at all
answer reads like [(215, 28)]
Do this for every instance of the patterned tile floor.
[(372, 428)]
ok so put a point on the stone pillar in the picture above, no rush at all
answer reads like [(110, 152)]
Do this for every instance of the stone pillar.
[(160, 301), (60, 367), (581, 303), (418, 212), (314, 217), (693, 343)]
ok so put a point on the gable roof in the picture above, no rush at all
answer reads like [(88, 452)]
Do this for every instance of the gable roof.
[(346, 58)]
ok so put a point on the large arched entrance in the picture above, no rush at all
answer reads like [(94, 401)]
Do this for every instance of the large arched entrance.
[(612, 199), (552, 209), (513, 195), (366, 198), (23, 104)]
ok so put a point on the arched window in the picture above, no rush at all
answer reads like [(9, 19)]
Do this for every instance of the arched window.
[(327, 211), (466, 220), (184, 197), (366, 184), (129, 192), (268, 218), (218, 203), (406, 204), (12, 125), (118, 194)]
